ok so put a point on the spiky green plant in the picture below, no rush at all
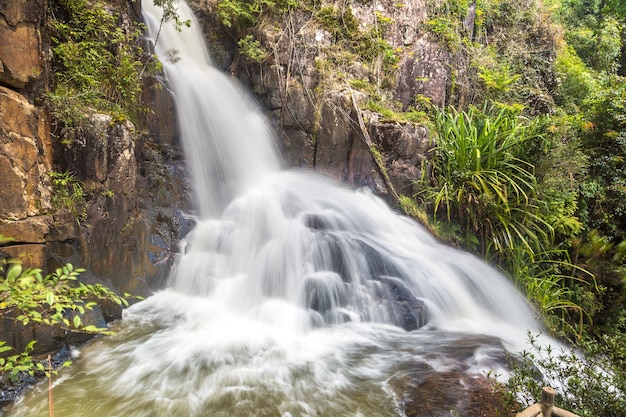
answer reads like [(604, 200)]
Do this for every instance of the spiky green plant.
[(482, 179)]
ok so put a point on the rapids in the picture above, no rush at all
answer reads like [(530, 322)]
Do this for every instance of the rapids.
[(280, 303)]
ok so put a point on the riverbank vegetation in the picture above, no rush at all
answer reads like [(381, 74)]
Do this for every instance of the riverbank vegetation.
[(528, 167), (37, 303)]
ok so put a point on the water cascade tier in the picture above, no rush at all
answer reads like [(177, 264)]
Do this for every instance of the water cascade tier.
[(291, 296)]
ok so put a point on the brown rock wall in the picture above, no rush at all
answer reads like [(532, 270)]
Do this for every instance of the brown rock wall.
[(21, 51), (24, 157), (312, 107)]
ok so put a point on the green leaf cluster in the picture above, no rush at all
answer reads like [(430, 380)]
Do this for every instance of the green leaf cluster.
[(589, 386), (242, 14), (482, 179), (567, 190), (57, 299), (68, 193), (97, 64)]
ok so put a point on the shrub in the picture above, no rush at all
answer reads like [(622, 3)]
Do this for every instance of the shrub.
[(57, 299), (97, 63), (481, 179), (591, 384)]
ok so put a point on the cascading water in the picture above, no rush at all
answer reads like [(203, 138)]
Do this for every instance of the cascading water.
[(292, 297)]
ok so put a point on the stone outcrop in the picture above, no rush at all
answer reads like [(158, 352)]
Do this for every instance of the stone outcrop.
[(25, 160), (136, 191), (424, 71), (314, 112), (25, 140), (21, 50), (403, 148), (126, 227)]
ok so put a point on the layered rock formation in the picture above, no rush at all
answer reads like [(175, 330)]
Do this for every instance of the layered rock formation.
[(25, 140)]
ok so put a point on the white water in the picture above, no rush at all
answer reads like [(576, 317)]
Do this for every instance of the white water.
[(282, 301)]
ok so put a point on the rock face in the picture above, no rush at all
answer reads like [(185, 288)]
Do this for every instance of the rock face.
[(125, 224), (25, 156), (21, 49), (124, 192), (119, 229), (314, 111)]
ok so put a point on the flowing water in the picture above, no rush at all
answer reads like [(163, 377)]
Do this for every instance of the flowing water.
[(292, 296)]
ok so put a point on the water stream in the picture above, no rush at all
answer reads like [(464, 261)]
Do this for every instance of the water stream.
[(292, 296)]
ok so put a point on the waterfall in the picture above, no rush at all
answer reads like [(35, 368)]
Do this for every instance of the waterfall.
[(292, 296), (228, 143), (269, 240)]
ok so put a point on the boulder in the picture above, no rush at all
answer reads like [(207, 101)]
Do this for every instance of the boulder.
[(404, 148), (407, 311)]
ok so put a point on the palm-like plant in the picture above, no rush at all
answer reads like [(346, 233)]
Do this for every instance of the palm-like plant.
[(482, 179)]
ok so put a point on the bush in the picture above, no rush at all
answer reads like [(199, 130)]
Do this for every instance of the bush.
[(592, 384), (57, 300), (481, 179), (97, 63)]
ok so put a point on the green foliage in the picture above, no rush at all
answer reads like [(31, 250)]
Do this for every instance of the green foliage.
[(590, 386), (595, 30), (447, 20), (547, 278), (97, 63), (576, 81), (388, 113), (68, 193), (58, 299), (251, 49), (497, 79), (604, 189), (351, 43), (446, 30), (482, 181), (242, 14), (559, 164)]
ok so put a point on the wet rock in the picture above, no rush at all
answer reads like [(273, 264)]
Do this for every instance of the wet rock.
[(325, 291), (160, 121), (422, 391), (408, 312), (377, 262)]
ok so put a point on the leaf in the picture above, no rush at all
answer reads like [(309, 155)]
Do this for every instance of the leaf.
[(14, 272), (30, 346), (77, 321), (50, 299)]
